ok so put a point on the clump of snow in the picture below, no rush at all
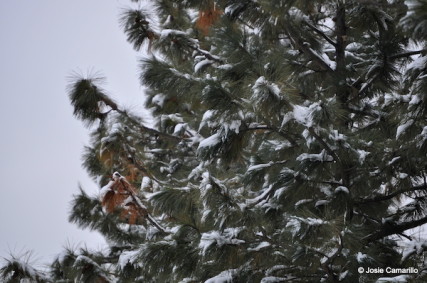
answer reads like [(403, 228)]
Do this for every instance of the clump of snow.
[(260, 246), (418, 64), (127, 257), (188, 280), (415, 100), (172, 117), (326, 190), (308, 137), (321, 202), (171, 32), (227, 237), (278, 192), (105, 189), (205, 179), (145, 183), (295, 223), (322, 157), (295, 226), (336, 136), (261, 84), (396, 279), (230, 9), (259, 166), (206, 213), (362, 155), (402, 128), (196, 172), (286, 118), (393, 160), (159, 99), (260, 197), (303, 201), (343, 275), (361, 257), (200, 65), (84, 259), (342, 189), (210, 141), (233, 125), (402, 175), (225, 67), (328, 61), (127, 201), (179, 128), (390, 98), (302, 115), (224, 277), (272, 279)]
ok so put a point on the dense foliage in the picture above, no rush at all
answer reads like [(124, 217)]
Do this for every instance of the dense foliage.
[(289, 144)]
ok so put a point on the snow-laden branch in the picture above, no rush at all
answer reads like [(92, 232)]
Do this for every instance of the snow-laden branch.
[(141, 207)]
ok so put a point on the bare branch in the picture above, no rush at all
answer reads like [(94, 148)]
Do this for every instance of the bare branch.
[(321, 33), (408, 54)]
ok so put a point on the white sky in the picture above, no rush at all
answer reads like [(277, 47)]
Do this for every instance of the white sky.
[(41, 43)]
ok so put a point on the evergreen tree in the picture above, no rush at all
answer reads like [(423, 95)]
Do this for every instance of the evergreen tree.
[(289, 144)]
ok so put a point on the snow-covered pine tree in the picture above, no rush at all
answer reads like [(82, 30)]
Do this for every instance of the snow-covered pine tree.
[(289, 144)]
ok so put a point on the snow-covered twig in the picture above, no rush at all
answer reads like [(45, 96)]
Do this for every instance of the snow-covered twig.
[(141, 206)]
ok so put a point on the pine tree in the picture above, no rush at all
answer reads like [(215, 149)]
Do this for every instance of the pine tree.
[(289, 144)]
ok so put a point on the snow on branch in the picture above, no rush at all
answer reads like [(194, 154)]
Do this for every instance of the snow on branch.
[(321, 157), (119, 193), (219, 239)]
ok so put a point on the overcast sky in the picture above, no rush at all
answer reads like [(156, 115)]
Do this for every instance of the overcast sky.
[(41, 43)]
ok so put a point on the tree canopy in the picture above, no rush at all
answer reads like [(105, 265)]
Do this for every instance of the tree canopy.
[(289, 144)]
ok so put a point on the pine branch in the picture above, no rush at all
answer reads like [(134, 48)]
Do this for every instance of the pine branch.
[(246, 24), (206, 54), (140, 167), (392, 195), (149, 130), (321, 33), (305, 48), (141, 206), (330, 259), (408, 54), (109, 102), (267, 128), (363, 112), (156, 132), (324, 144), (389, 229), (298, 64), (264, 197), (368, 84)]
